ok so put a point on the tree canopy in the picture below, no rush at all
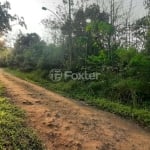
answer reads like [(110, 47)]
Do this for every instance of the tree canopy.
[(6, 18)]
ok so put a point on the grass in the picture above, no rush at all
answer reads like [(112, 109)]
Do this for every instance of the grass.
[(14, 134), (141, 116), (78, 91)]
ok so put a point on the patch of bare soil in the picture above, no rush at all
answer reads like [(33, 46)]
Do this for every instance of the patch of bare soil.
[(63, 124)]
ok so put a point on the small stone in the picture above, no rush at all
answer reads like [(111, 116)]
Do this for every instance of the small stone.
[(57, 115), (38, 102), (48, 115), (67, 128), (28, 103)]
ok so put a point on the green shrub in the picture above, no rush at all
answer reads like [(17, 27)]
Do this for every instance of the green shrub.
[(142, 116), (14, 135)]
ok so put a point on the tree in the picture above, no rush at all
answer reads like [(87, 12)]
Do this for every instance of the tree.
[(28, 49), (147, 44), (83, 40), (147, 4), (6, 18), (148, 33), (26, 41)]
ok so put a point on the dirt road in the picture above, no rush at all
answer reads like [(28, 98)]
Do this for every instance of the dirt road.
[(63, 124)]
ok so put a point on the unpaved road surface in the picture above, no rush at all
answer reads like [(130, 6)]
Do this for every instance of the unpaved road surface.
[(63, 124)]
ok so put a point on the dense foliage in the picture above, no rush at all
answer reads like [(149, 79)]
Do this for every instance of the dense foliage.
[(6, 18)]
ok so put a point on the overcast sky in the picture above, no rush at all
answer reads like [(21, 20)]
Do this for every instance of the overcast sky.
[(33, 14)]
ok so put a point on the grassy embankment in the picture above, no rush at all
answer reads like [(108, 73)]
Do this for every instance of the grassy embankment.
[(14, 133), (78, 91)]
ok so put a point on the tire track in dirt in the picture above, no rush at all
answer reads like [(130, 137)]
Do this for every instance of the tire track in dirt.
[(63, 124)]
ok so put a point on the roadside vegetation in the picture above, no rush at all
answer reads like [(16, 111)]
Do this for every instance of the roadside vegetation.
[(14, 134), (79, 91), (92, 41)]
